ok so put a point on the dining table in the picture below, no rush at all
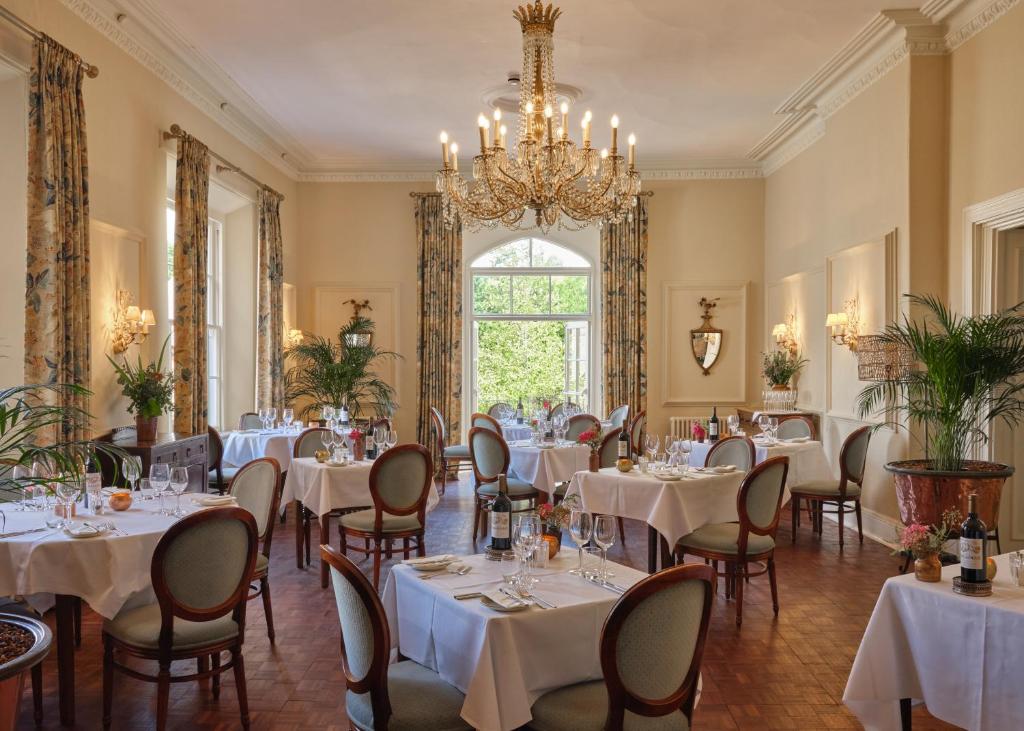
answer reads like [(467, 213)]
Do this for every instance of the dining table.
[(672, 506), (959, 655), (547, 466), (108, 570), (245, 445), (502, 661), (807, 459), (324, 488)]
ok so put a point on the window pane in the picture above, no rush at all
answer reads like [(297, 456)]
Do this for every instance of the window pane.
[(170, 263), (569, 295), (518, 358), (491, 295), (213, 396), (546, 254), (212, 352), (530, 295), (512, 254)]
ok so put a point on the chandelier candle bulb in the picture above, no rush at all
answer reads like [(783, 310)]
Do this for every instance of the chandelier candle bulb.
[(444, 148), (484, 127), (455, 157), (504, 131), (529, 119), (632, 150), (565, 115), (615, 133)]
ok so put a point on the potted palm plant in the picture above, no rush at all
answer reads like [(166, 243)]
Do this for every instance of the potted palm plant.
[(964, 374), (149, 390), (331, 372)]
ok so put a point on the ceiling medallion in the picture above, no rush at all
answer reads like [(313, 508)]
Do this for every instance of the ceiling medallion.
[(545, 172)]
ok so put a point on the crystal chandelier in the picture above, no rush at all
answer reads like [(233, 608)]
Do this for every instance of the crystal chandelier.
[(545, 172)]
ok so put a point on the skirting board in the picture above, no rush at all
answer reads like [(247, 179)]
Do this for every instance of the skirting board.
[(879, 528)]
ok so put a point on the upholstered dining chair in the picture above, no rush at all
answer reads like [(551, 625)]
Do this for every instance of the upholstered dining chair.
[(256, 488), (490, 458), (486, 422), (450, 456), (497, 407), (201, 570), (220, 477), (249, 420), (738, 451), (556, 410), (636, 432), (400, 482), (852, 457), (380, 695), (752, 539), (652, 644), (619, 415), (793, 427), (579, 424)]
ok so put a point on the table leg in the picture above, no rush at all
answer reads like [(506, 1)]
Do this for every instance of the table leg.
[(298, 534), (325, 538), (652, 550), (666, 553), (65, 622), (905, 713)]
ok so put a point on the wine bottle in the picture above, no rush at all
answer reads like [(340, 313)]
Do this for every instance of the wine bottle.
[(623, 444), (344, 415), (519, 411), (713, 425), (501, 518), (93, 478), (972, 545)]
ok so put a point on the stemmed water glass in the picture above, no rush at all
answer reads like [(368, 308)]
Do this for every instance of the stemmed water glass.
[(672, 450), (327, 413), (581, 526), (392, 438), (652, 443), (762, 421), (773, 429), (288, 416), (67, 490), (525, 540), (683, 449), (132, 466), (272, 416), (41, 474), (179, 481), (733, 423), (159, 479), (604, 537), (380, 436), (22, 475), (263, 417)]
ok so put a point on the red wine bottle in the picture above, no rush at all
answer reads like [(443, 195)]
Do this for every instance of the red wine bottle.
[(501, 518), (713, 425), (973, 537)]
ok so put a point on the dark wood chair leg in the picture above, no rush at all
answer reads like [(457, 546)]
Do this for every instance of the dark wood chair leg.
[(307, 530), (78, 622), (739, 592), (476, 518), (405, 548), (376, 563), (163, 693), (267, 609), (215, 663), (841, 510), (37, 694), (202, 666), (108, 680), (299, 510), (774, 585), (622, 532), (860, 522), (796, 515), (905, 714), (389, 550), (421, 546), (243, 696)]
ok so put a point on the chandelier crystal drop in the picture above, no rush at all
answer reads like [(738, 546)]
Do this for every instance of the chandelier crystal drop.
[(545, 171)]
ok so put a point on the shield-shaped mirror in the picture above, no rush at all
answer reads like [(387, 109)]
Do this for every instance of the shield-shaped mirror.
[(706, 341)]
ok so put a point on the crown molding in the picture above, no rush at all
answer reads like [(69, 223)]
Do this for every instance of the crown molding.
[(733, 170), (974, 16)]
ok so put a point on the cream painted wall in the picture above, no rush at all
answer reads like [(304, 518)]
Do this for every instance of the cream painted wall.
[(13, 163)]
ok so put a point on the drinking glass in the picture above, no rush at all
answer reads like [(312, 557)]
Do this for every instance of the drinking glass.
[(509, 567), (652, 443), (263, 417), (773, 429), (41, 475), (22, 475), (734, 424), (666, 444), (604, 537), (380, 436), (326, 413), (179, 481), (526, 538), (327, 439), (762, 421), (671, 450), (67, 490), (581, 525), (289, 416), (272, 416), (132, 467), (159, 479), (392, 438), (683, 449)]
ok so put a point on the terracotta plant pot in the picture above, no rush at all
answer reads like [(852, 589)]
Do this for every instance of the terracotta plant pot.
[(781, 387), (595, 461), (928, 568), (924, 494), (12, 672), (358, 450), (145, 428), (553, 540)]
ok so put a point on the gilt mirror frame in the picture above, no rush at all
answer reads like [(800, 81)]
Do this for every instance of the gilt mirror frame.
[(704, 334)]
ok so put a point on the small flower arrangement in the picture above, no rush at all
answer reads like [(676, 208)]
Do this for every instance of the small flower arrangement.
[(698, 432), (149, 390), (591, 438), (556, 517), (922, 541), (547, 405), (355, 435)]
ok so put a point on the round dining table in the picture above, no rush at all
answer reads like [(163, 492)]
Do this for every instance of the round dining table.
[(243, 446)]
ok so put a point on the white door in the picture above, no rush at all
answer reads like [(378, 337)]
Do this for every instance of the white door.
[(1008, 447)]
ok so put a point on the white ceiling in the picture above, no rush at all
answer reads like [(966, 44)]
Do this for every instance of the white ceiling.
[(366, 86)]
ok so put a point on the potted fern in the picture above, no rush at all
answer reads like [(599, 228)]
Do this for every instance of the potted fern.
[(336, 371), (966, 375), (778, 368), (149, 390)]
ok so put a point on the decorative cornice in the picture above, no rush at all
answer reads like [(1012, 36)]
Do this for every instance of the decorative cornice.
[(810, 133), (725, 172), (876, 72), (745, 172), (977, 22)]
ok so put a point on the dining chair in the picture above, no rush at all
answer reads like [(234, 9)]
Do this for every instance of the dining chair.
[(817, 494), (619, 415), (451, 457), (581, 423), (381, 423), (256, 488), (490, 458), (381, 695), (249, 420), (219, 477), (400, 482), (486, 422), (738, 451), (792, 427), (608, 456), (556, 410), (200, 571), (652, 645), (752, 539), (636, 432), (497, 408)]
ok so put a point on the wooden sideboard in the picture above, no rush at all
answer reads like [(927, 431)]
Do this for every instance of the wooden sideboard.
[(177, 450)]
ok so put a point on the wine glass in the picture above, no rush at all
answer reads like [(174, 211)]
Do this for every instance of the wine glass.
[(132, 467), (271, 416), (773, 429), (263, 417), (652, 443), (326, 413), (581, 525), (288, 415), (327, 439), (179, 481), (671, 450), (604, 537), (665, 445), (392, 438), (41, 475), (525, 539), (733, 423), (762, 421), (22, 475), (159, 479), (67, 490)]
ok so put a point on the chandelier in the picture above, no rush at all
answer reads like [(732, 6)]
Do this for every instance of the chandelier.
[(545, 171)]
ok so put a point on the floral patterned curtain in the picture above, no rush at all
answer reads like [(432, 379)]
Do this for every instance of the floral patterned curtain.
[(191, 216), (270, 302), (439, 296), (57, 285), (624, 310)]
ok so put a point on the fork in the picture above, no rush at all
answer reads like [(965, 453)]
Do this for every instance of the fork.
[(462, 571)]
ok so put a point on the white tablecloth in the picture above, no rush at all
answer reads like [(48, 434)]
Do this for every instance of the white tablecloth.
[(545, 468), (674, 509), (960, 655), (503, 662), (242, 447), (323, 488), (807, 460), (105, 571), (513, 432)]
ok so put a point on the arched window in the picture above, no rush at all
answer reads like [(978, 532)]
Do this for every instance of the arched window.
[(532, 318)]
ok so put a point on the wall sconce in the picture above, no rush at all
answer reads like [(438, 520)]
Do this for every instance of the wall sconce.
[(293, 338), (844, 327), (785, 336), (131, 325)]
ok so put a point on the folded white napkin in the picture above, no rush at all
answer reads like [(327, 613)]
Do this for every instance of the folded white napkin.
[(441, 558), (797, 440), (81, 531), (502, 600), (212, 501), (722, 469)]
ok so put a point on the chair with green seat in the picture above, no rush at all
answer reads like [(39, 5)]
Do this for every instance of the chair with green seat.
[(306, 446), (652, 645), (220, 477), (249, 420), (400, 482), (637, 427), (852, 457), (579, 424), (490, 458), (451, 457), (497, 408), (200, 571), (751, 540), (737, 451), (619, 415), (256, 489), (486, 422), (380, 695), (796, 427)]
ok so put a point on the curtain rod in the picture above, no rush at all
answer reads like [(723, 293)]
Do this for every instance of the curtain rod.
[(91, 71), (177, 133), (414, 194)]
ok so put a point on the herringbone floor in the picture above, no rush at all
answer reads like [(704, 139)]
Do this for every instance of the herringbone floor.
[(785, 673)]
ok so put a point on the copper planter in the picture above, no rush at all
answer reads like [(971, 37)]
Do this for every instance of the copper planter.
[(924, 494)]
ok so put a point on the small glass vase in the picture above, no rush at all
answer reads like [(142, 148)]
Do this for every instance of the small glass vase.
[(928, 568)]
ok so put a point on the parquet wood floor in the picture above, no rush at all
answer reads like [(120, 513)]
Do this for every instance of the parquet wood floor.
[(787, 673)]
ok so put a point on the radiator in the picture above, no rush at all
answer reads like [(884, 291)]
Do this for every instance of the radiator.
[(682, 426)]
